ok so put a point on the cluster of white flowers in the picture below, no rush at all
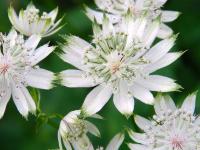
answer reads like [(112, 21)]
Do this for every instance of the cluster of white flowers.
[(119, 60)]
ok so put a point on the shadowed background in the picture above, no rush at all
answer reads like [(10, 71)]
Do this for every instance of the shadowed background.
[(19, 134)]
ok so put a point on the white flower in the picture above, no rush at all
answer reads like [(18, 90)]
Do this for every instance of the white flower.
[(30, 22), (117, 8), (172, 128), (18, 59), (119, 61), (73, 132), (115, 142)]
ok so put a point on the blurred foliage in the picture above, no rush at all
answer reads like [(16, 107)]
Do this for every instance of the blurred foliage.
[(19, 134)]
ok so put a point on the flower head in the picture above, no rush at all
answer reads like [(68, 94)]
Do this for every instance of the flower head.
[(73, 132), (30, 21), (172, 128), (117, 8), (120, 61), (18, 60)]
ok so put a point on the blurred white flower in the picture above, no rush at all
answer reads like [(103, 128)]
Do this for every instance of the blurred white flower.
[(30, 21), (119, 61), (73, 132), (18, 60), (115, 9), (172, 128)]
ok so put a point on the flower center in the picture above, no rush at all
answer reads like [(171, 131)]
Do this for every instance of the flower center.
[(75, 130), (177, 143), (115, 67), (32, 14), (115, 61), (4, 68)]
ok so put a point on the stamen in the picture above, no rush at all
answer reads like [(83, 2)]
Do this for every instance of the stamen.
[(4, 68), (177, 143)]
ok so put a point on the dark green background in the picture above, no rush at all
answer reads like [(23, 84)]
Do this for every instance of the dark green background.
[(18, 134)]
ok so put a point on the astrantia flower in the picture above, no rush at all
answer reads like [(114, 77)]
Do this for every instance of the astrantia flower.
[(172, 128), (30, 21), (73, 132), (119, 61), (117, 8), (18, 60)]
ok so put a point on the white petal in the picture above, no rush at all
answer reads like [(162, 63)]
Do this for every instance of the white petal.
[(19, 100), (14, 18), (98, 16), (159, 50), (142, 27), (142, 123), (74, 51), (142, 94), (40, 78), (54, 28), (169, 103), (164, 104), (151, 33), (115, 7), (72, 116), (103, 4), (5, 92), (76, 78), (107, 26), (53, 14), (169, 16), (164, 31), (32, 42), (137, 147), (189, 103), (158, 83), (116, 142), (123, 101), (41, 53), (92, 128), (12, 34), (163, 62), (29, 100), (96, 99), (60, 141), (96, 116), (139, 4), (138, 137), (160, 3)]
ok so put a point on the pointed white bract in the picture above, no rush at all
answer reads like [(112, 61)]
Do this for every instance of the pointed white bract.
[(119, 61), (29, 21), (171, 128), (73, 132), (18, 60), (115, 142), (115, 9)]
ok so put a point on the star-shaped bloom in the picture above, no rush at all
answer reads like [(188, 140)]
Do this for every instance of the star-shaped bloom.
[(30, 21), (115, 9), (18, 60), (73, 132), (119, 61), (171, 128)]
